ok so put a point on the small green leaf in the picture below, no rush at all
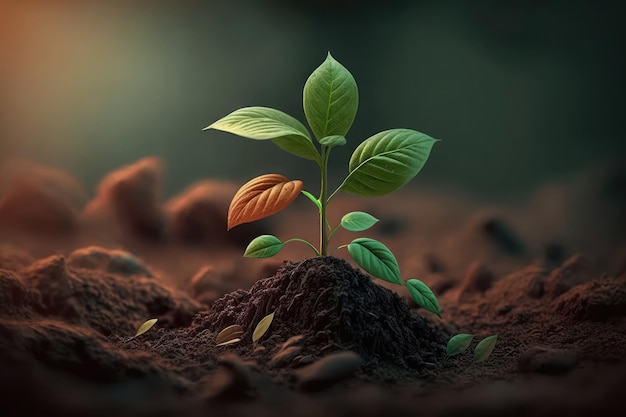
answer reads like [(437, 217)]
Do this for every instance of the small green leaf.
[(375, 258), (484, 348), (330, 99), (423, 296), (262, 327), (357, 221), (459, 343), (265, 123), (333, 141), (386, 161), (313, 199), (263, 246)]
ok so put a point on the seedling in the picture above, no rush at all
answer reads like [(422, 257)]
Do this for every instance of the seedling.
[(380, 165)]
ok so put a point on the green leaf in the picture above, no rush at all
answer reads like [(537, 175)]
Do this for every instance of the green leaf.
[(330, 99), (313, 199), (459, 343), (298, 146), (263, 246), (423, 296), (375, 258), (484, 348), (333, 141), (386, 161), (357, 221), (264, 123)]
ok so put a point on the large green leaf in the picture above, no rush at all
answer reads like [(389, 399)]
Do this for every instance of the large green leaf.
[(330, 99), (423, 296), (386, 161), (264, 123), (375, 258)]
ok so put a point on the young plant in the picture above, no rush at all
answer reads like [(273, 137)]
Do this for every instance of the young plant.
[(380, 165)]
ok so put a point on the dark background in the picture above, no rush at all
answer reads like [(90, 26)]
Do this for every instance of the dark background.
[(521, 92)]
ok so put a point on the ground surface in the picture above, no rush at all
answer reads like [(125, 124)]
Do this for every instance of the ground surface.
[(80, 274)]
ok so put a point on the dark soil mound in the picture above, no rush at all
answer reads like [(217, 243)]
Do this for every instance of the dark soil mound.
[(334, 307)]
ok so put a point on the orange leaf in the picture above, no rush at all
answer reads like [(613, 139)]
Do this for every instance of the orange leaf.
[(262, 197)]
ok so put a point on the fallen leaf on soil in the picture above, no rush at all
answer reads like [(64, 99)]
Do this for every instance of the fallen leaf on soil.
[(147, 325), (228, 342), (262, 327), (459, 343), (484, 348), (230, 334)]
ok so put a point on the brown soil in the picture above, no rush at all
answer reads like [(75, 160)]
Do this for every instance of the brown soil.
[(77, 279)]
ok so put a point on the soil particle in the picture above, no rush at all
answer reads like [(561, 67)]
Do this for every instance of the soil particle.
[(207, 285), (233, 380), (546, 360), (288, 351), (13, 258), (575, 271), (132, 196), (198, 215), (41, 200), (285, 356), (597, 300), (15, 297), (115, 261), (329, 370), (79, 351), (478, 279), (517, 288), (108, 303), (502, 236), (335, 307)]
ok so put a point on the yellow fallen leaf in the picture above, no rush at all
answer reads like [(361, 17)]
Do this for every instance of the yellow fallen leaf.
[(229, 342), (262, 327), (145, 327), (229, 333)]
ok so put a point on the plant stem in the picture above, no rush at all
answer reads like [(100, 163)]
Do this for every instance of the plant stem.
[(323, 201), (295, 239)]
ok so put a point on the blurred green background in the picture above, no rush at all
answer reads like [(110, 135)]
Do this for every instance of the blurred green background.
[(520, 91)]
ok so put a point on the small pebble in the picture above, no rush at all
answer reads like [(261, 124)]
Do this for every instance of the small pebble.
[(284, 356), (546, 360), (329, 370), (232, 381), (575, 271)]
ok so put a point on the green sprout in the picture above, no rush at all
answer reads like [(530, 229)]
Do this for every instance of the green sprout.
[(380, 165)]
